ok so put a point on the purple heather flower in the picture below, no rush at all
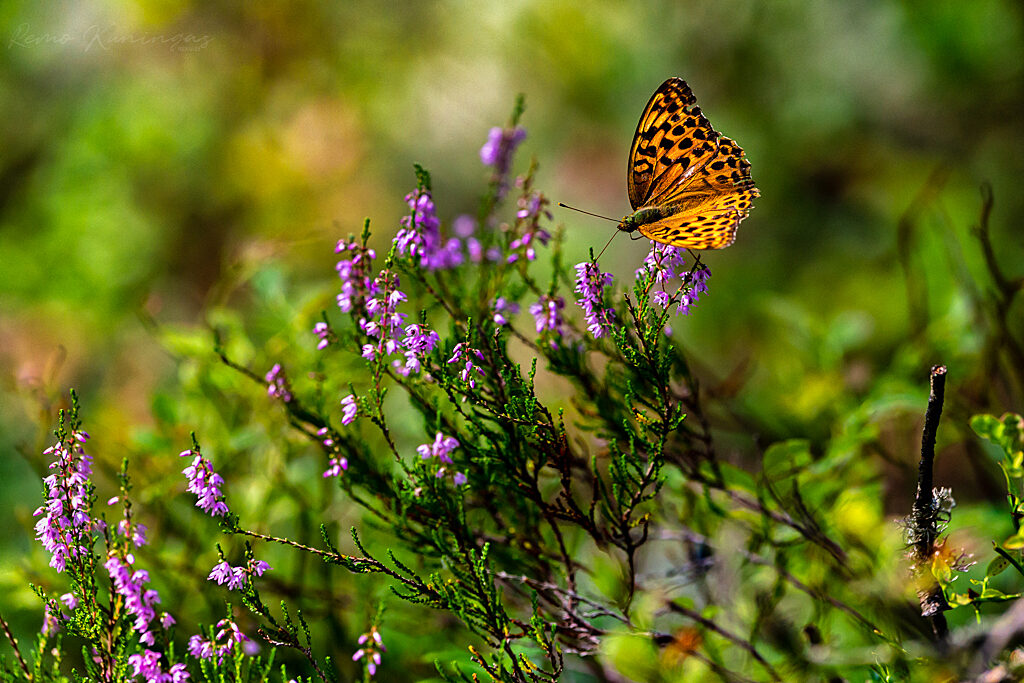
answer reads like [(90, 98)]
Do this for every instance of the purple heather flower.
[(205, 483), (503, 307), (336, 465), (497, 153), (373, 646), (323, 332), (167, 621), (461, 352), (664, 263), (420, 232), (69, 600), (548, 314), (385, 323), (418, 342), (532, 209), (420, 235), (349, 409), (277, 383), (136, 532), (138, 600), (590, 283), (52, 624), (66, 524), (229, 633), (356, 283), (459, 479), (237, 577), (325, 434), (147, 665), (440, 448)]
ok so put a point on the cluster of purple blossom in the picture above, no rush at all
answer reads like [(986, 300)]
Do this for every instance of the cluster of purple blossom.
[(440, 449), (130, 584), (235, 578), (223, 642), (277, 384), (415, 341), (666, 262), (356, 274), (497, 153), (68, 531), (547, 314), (463, 353), (205, 483), (532, 207), (66, 526), (420, 235), (590, 284), (502, 309), (372, 647)]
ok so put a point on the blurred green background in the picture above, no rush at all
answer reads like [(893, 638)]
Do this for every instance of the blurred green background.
[(164, 163)]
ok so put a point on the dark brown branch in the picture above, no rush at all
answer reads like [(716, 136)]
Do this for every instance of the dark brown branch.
[(924, 518), (14, 646)]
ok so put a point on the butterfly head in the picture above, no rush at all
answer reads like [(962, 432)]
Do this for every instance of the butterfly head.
[(641, 217)]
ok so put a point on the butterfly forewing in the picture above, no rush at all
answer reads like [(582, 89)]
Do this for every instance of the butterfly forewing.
[(673, 139), (681, 165)]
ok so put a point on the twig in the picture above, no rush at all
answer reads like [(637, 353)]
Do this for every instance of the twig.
[(924, 518), (14, 646)]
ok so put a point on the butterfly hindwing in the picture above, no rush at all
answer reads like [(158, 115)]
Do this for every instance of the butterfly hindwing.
[(709, 223)]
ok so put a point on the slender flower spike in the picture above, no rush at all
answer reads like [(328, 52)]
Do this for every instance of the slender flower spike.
[(224, 641), (532, 207), (547, 313), (205, 483), (138, 600), (665, 263), (384, 321), (277, 384), (66, 525), (323, 332), (420, 235), (440, 448), (463, 353), (497, 153), (357, 284), (419, 342), (349, 410), (372, 647), (590, 283), (503, 309)]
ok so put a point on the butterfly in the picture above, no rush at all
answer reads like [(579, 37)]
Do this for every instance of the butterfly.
[(689, 185)]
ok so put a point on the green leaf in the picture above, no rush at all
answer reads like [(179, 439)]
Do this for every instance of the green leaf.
[(987, 427), (997, 566)]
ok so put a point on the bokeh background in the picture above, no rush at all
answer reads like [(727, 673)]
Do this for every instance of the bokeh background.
[(168, 167)]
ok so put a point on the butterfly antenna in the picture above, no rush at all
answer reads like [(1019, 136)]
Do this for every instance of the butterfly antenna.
[(596, 215), (606, 245)]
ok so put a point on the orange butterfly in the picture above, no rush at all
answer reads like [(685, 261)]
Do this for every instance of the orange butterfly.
[(689, 185)]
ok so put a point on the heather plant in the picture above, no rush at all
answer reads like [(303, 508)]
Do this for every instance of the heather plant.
[(616, 535)]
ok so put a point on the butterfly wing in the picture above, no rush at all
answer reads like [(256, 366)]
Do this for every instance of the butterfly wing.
[(673, 141), (679, 164), (703, 221)]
